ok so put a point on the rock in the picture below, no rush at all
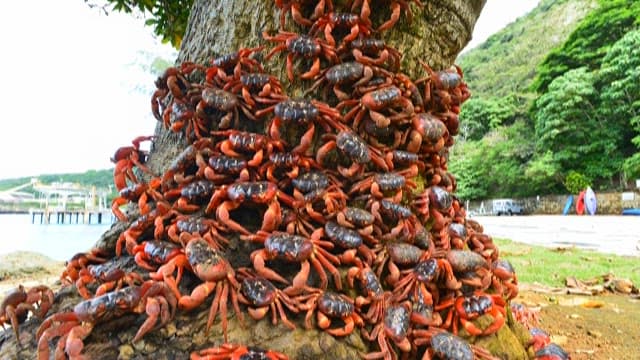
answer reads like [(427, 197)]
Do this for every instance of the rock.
[(126, 352), (504, 344)]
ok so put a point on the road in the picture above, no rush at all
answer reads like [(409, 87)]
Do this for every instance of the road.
[(608, 234)]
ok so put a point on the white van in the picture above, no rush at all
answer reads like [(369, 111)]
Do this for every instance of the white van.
[(507, 207)]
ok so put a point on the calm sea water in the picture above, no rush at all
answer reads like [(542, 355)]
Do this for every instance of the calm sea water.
[(58, 242)]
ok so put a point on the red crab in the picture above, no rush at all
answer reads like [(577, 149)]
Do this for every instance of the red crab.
[(302, 113), (505, 281), (260, 295), (237, 63), (186, 228), (426, 278), (444, 345), (111, 274), (465, 309), (188, 164), (472, 265), (301, 46), (80, 261), (344, 21), (388, 185), (383, 105), (525, 315), (230, 197), (445, 90), (318, 196), (371, 51), (154, 298), (296, 249), (351, 76), (222, 106), (140, 192), (240, 144), (128, 157), (395, 328), (328, 305), (236, 352), (396, 6), (210, 266), (160, 256), (154, 219), (427, 134), (294, 6), (16, 306), (357, 151), (174, 82), (256, 88), (375, 296)]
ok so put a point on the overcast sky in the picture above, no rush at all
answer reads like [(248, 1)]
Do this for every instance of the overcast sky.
[(73, 89)]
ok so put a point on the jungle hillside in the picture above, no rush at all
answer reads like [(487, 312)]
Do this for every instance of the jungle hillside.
[(555, 103)]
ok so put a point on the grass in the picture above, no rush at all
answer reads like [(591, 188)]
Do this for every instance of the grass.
[(551, 266)]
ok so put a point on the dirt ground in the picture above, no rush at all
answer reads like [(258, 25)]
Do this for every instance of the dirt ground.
[(588, 327)]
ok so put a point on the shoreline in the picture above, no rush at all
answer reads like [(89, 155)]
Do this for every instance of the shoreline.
[(13, 212), (28, 268)]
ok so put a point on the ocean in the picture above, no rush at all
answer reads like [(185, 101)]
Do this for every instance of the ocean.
[(58, 242)]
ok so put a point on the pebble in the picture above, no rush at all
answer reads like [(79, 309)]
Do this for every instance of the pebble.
[(594, 333), (139, 346), (149, 348), (574, 316), (170, 329), (126, 352), (559, 339)]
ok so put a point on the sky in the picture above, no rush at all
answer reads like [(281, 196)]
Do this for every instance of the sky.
[(75, 88)]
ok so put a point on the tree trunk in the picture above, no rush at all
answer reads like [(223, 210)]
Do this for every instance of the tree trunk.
[(436, 35)]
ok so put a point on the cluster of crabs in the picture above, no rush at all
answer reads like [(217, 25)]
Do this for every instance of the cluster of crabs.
[(343, 208)]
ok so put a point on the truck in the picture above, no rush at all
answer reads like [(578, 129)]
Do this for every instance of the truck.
[(507, 207)]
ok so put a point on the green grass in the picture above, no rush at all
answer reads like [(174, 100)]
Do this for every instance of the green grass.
[(551, 267)]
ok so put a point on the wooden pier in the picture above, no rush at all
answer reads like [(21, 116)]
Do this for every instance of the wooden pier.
[(63, 216)]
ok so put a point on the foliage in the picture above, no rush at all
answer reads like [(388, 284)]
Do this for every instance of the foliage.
[(470, 171), (542, 172), (494, 165), (576, 182), (631, 166), (619, 79), (167, 17), (567, 124), (499, 74), (590, 41), (478, 116)]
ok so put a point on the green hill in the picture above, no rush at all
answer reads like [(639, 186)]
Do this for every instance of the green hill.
[(554, 101), (506, 62)]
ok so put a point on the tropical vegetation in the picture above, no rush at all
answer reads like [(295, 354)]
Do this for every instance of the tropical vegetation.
[(555, 104)]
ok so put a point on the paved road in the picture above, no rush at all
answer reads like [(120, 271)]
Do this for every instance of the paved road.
[(608, 234)]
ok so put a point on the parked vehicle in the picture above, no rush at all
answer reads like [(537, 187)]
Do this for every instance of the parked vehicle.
[(507, 207)]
